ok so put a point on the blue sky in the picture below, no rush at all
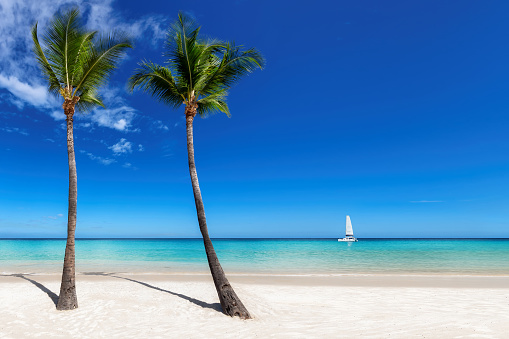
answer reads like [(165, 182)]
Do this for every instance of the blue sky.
[(393, 112)]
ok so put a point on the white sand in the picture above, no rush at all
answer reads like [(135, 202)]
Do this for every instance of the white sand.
[(284, 307)]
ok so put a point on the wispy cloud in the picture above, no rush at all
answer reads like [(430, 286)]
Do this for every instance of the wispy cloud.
[(20, 79), (17, 17), (14, 130), (167, 151), (160, 125), (101, 160), (85, 125), (60, 215), (129, 165), (104, 18), (119, 118), (57, 115), (35, 95), (180, 122), (425, 201), (121, 147)]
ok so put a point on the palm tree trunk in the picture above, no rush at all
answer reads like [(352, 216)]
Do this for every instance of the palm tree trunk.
[(230, 303), (68, 299)]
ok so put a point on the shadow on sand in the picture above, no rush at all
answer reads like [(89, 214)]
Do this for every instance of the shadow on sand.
[(215, 306), (40, 286)]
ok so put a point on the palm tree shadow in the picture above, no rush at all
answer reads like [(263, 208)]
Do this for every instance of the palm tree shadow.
[(214, 306), (43, 288)]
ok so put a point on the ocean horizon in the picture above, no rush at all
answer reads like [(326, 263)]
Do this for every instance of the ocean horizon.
[(286, 256), (254, 238)]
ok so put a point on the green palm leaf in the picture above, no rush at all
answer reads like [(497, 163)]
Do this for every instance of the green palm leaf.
[(234, 65), (215, 102), (74, 61), (101, 61), (159, 82), (197, 69)]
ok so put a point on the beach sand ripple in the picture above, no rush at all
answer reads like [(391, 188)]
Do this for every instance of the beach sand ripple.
[(165, 306)]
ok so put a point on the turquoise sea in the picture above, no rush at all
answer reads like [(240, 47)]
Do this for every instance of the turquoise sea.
[(263, 256)]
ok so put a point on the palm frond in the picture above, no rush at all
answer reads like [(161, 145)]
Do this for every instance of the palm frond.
[(213, 103), (89, 100), (197, 69), (49, 74), (74, 61), (63, 42), (102, 60), (234, 65), (84, 50), (159, 82), (184, 52)]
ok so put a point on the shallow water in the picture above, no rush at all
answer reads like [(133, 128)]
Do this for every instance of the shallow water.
[(263, 256)]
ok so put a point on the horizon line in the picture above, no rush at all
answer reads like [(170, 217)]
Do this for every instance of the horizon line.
[(259, 238)]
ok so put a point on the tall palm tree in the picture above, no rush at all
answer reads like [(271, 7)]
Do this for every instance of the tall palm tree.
[(198, 75), (75, 63)]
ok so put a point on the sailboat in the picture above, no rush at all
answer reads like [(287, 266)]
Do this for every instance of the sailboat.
[(349, 231)]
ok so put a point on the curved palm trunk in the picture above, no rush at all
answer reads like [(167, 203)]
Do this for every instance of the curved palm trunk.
[(230, 303), (68, 299)]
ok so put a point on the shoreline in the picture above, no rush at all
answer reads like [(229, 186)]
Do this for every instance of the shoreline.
[(343, 280)]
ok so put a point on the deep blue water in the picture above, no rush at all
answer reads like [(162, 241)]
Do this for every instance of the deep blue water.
[(281, 256)]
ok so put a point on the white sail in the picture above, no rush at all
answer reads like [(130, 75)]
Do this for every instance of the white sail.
[(349, 229)]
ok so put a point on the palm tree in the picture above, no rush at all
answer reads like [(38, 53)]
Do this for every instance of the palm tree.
[(75, 63), (199, 75)]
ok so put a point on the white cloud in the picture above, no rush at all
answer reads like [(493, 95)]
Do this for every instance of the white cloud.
[(14, 130), (117, 118), (114, 95), (141, 148), (105, 19), (121, 147), (58, 115), (17, 18), (160, 125), (127, 165), (20, 76), (104, 161), (101, 160), (120, 125), (12, 99), (34, 95)]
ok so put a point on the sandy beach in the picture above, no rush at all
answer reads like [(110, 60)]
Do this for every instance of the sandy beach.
[(186, 306)]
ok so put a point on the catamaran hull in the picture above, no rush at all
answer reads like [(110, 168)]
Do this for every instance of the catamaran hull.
[(348, 239)]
